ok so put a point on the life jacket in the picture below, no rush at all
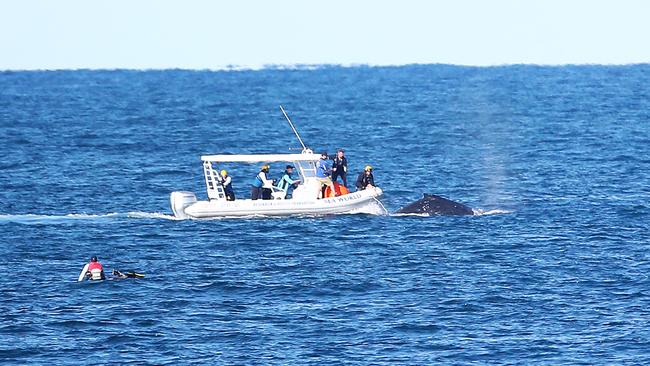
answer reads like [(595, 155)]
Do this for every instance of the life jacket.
[(339, 190), (258, 182), (283, 184), (95, 269)]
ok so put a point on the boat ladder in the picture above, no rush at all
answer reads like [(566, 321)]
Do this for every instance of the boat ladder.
[(213, 183)]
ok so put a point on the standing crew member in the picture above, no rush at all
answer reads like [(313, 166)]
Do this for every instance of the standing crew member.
[(261, 181), (226, 182), (340, 167), (287, 183), (323, 172), (365, 179), (92, 270)]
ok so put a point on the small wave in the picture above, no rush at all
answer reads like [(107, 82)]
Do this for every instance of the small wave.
[(39, 218), (151, 215), (477, 212), (411, 214)]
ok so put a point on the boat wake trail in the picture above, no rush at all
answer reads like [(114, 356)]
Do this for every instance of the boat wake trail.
[(48, 219)]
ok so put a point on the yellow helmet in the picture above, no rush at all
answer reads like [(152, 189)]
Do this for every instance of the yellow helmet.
[(367, 168), (224, 172), (265, 167)]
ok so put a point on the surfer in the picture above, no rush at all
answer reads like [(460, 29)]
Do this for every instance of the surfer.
[(365, 179), (92, 271)]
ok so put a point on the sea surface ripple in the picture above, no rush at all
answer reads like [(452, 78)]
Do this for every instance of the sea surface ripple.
[(559, 275)]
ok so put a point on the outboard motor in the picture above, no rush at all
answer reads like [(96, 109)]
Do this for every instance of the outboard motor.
[(180, 201)]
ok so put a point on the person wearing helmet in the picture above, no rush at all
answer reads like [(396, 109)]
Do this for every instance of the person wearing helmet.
[(92, 271), (287, 183), (226, 182), (365, 179), (260, 187), (323, 172), (340, 167)]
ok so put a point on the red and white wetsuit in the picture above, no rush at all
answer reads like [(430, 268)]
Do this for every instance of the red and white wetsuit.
[(96, 271), (95, 265)]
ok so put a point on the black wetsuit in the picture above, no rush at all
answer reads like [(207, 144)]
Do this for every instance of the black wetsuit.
[(364, 180), (339, 169)]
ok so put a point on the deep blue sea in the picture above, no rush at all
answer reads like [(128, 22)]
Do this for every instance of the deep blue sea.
[(557, 274)]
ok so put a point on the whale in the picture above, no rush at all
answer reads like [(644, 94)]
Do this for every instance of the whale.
[(433, 205)]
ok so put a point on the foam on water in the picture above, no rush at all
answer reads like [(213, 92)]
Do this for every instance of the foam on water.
[(38, 218)]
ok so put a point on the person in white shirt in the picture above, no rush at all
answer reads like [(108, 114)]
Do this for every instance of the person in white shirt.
[(226, 182)]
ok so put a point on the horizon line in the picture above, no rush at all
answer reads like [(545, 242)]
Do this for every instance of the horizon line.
[(319, 66)]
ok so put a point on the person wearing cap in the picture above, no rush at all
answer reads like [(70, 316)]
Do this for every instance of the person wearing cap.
[(365, 179), (323, 172), (226, 182), (287, 183), (92, 270), (340, 167), (261, 184)]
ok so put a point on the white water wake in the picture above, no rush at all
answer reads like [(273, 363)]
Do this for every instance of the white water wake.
[(477, 212), (38, 218), (372, 208)]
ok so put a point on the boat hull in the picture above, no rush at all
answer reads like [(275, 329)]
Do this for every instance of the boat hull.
[(333, 205)]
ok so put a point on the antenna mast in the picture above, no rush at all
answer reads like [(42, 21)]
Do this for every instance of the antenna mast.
[(293, 128)]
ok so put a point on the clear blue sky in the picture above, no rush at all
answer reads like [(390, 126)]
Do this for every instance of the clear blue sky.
[(212, 34)]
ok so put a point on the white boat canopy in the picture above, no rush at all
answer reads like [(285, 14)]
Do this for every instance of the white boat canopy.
[(260, 158)]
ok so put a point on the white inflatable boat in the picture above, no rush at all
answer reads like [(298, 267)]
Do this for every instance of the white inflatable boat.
[(307, 197), (305, 200)]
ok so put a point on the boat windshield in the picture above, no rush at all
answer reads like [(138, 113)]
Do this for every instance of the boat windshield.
[(307, 168)]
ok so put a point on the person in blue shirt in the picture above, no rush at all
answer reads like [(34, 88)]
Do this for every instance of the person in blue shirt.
[(324, 172), (287, 183)]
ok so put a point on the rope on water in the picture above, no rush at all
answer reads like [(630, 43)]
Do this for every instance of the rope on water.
[(382, 205)]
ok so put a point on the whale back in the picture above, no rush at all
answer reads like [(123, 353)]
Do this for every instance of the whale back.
[(432, 204)]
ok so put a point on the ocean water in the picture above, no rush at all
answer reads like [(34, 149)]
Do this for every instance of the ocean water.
[(556, 273)]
